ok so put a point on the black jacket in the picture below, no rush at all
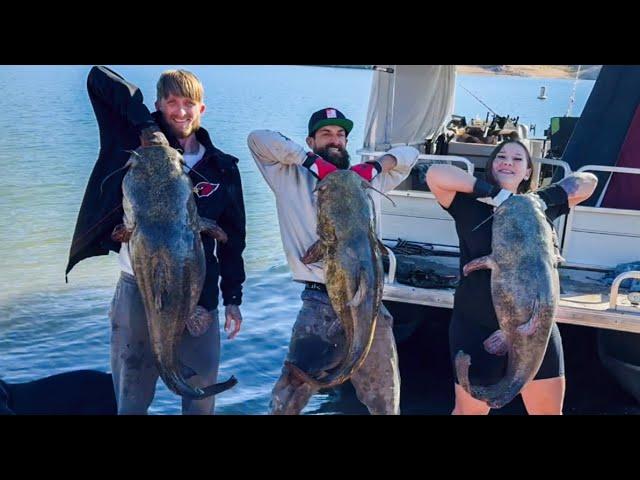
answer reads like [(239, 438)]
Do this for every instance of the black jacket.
[(121, 115)]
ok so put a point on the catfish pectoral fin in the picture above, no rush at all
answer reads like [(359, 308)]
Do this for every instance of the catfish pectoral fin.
[(496, 343), (383, 248), (199, 321), (361, 293), (121, 233), (479, 264), (314, 253), (532, 325), (211, 228)]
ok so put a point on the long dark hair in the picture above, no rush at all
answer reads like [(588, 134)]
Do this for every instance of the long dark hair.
[(525, 185)]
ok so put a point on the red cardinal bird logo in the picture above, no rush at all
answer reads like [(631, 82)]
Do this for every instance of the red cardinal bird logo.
[(204, 189)]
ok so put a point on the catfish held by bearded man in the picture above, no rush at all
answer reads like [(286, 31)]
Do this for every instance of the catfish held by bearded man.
[(352, 257), (163, 228), (524, 289)]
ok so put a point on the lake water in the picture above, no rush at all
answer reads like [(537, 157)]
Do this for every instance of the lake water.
[(48, 146)]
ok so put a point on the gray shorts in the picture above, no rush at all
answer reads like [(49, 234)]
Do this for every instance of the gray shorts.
[(132, 362)]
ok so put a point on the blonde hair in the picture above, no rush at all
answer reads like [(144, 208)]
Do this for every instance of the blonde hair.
[(181, 83)]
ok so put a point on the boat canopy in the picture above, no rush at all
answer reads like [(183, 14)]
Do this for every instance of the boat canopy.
[(408, 104)]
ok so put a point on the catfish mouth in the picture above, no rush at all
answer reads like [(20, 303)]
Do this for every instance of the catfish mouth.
[(138, 158)]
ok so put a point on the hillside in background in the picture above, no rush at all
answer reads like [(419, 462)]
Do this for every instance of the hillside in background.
[(587, 72)]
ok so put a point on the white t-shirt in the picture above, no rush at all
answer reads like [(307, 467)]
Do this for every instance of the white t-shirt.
[(124, 260), (192, 158)]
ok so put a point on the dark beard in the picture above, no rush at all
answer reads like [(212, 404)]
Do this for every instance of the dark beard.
[(340, 159)]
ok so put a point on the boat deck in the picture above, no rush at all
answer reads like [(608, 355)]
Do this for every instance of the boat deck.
[(584, 295)]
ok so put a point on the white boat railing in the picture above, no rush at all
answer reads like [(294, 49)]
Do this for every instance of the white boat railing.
[(613, 297), (391, 276), (606, 168), (428, 158), (593, 247)]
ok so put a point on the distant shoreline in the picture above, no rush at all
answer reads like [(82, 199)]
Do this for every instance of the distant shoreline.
[(541, 71), (588, 72)]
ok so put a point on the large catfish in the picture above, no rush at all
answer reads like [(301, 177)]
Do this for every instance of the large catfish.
[(525, 290), (163, 228), (353, 269)]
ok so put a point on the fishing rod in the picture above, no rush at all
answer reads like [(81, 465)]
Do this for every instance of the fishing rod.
[(484, 104)]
